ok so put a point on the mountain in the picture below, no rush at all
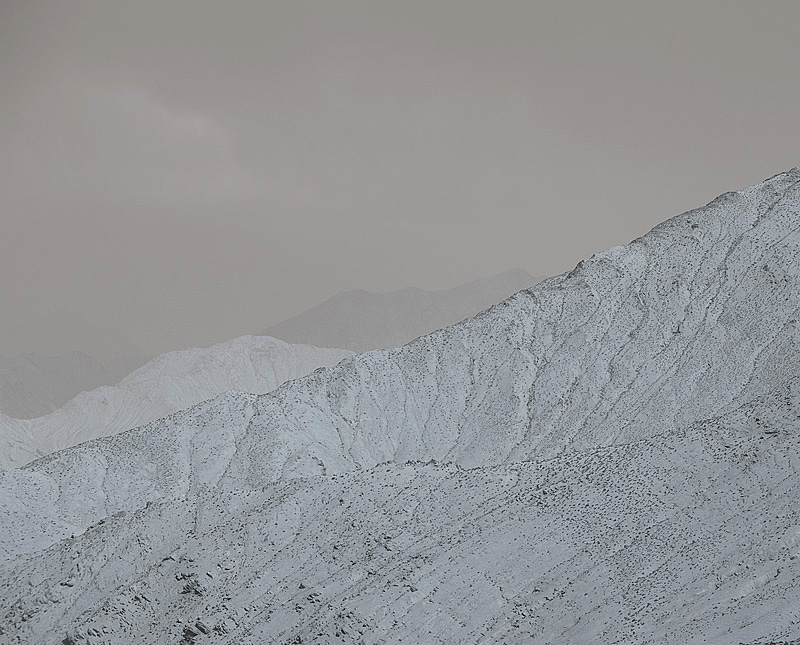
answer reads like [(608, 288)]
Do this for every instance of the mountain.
[(362, 321), (610, 456), (168, 383), (32, 385)]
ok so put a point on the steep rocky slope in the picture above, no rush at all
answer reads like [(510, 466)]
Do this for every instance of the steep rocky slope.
[(362, 321), (616, 461), (171, 382), (691, 537)]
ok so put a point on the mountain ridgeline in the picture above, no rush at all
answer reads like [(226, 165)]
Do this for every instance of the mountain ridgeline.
[(166, 384), (361, 321), (608, 456), (32, 385)]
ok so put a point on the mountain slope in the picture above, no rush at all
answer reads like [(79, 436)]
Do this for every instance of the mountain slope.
[(673, 539), (362, 321), (629, 434), (32, 385), (168, 383)]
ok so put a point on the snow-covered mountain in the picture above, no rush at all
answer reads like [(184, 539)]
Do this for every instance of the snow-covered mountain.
[(610, 456), (360, 321), (171, 382), (32, 385)]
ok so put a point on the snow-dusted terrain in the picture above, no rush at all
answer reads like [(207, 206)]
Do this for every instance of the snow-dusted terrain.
[(32, 385), (361, 321), (171, 382), (610, 456)]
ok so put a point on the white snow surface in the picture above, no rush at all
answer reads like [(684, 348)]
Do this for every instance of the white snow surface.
[(608, 457), (168, 383)]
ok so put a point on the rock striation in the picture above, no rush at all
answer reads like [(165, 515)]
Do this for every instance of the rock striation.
[(609, 456)]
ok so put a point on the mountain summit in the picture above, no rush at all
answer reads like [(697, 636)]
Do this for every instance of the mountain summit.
[(609, 456)]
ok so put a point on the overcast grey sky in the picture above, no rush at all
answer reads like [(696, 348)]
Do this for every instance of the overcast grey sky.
[(180, 173)]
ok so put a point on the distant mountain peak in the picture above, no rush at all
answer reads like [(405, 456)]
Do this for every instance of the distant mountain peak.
[(163, 385), (360, 320)]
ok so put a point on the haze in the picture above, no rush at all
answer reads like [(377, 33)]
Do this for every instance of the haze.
[(181, 173)]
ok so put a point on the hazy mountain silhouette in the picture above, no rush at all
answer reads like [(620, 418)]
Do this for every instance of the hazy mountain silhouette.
[(32, 385), (360, 321)]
